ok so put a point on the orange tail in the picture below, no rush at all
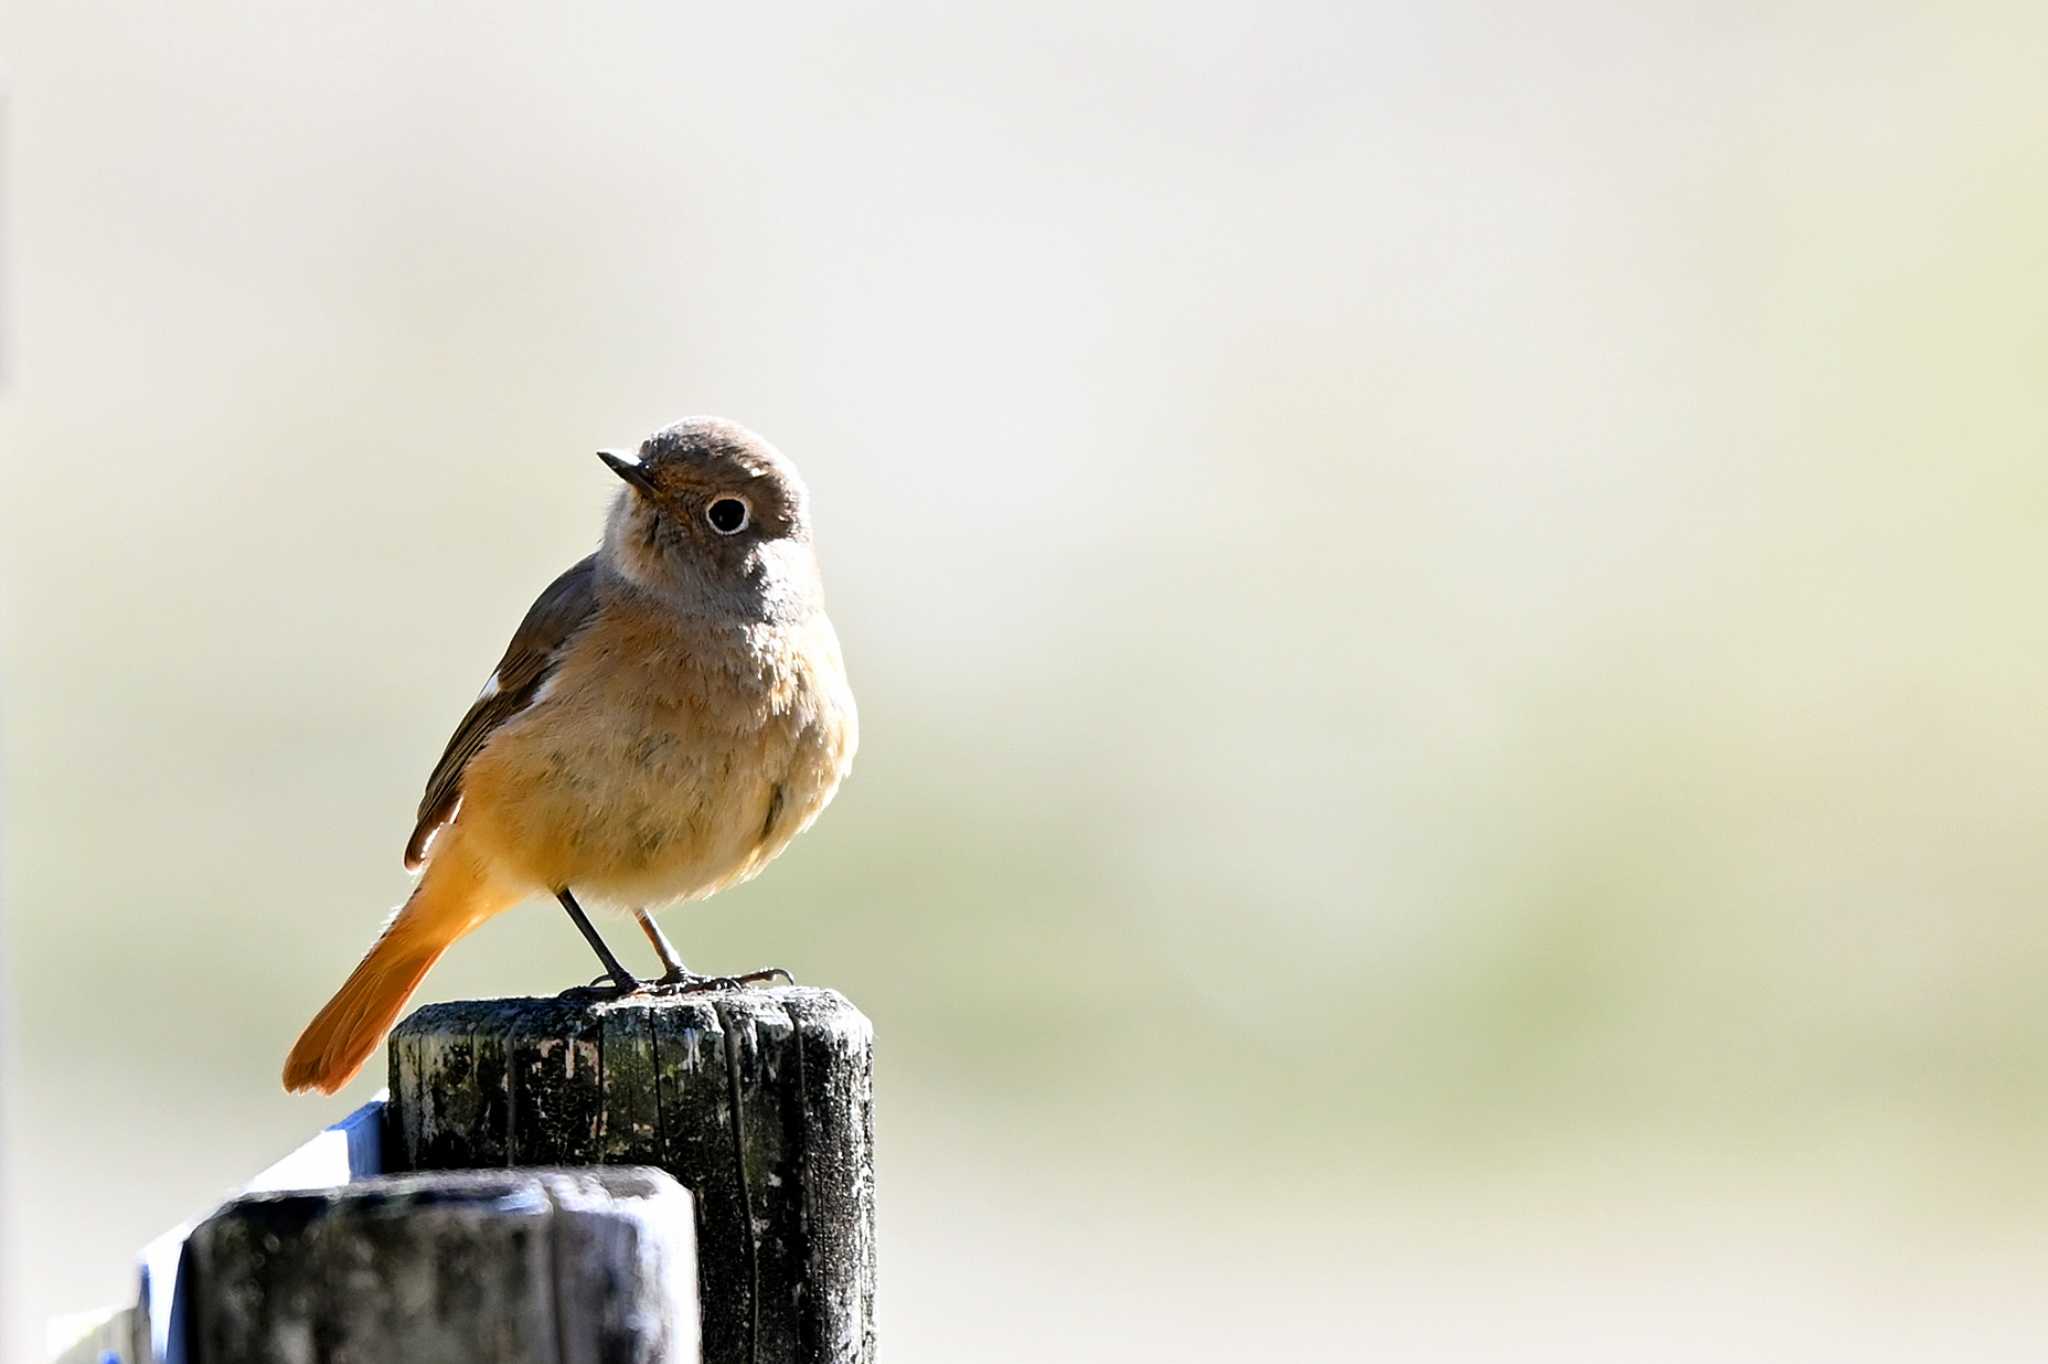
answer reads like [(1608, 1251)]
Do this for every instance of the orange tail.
[(448, 902)]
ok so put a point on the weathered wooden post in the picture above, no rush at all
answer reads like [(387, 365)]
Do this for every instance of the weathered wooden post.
[(759, 1101), (489, 1267)]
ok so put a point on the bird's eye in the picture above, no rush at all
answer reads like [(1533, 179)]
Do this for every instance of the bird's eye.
[(727, 515)]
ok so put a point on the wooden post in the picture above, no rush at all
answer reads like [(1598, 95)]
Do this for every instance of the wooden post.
[(532, 1267), (757, 1101)]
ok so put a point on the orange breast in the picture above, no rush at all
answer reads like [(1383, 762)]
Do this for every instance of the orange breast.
[(662, 763)]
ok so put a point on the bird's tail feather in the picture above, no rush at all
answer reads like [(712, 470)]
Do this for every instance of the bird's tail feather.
[(450, 900)]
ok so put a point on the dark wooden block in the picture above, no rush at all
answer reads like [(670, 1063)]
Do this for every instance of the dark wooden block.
[(760, 1102), (527, 1267)]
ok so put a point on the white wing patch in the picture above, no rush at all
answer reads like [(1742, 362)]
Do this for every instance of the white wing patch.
[(427, 850)]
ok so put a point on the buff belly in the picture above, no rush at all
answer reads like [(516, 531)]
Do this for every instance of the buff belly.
[(641, 815)]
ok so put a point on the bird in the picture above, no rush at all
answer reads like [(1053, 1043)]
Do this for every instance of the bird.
[(671, 712)]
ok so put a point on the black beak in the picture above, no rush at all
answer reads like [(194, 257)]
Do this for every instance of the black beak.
[(632, 473)]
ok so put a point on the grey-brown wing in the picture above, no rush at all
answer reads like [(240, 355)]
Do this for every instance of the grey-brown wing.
[(563, 609)]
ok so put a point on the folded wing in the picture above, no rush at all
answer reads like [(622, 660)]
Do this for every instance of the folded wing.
[(563, 609)]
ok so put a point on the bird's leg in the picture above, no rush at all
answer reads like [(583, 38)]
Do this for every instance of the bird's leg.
[(678, 977), (621, 977), (673, 970)]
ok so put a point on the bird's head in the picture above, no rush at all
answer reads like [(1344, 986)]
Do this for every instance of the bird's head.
[(714, 520)]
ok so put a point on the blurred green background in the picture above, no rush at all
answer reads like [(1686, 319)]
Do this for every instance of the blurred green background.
[(1445, 602)]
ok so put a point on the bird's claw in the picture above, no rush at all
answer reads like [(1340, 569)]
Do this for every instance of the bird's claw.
[(689, 983), (606, 986)]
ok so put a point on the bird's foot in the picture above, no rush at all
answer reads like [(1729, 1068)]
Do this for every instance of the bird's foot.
[(690, 983), (606, 987)]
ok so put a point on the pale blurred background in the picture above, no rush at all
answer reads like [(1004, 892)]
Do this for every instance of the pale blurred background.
[(1446, 603)]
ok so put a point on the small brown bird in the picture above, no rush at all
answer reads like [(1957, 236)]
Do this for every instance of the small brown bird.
[(669, 715)]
